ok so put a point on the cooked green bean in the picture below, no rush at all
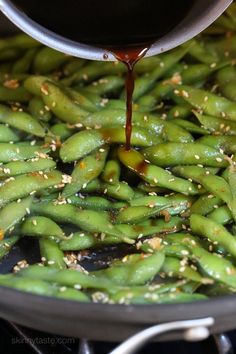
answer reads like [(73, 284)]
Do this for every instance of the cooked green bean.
[(154, 174), (14, 152), (7, 134), (22, 121), (51, 253), (23, 185), (7, 244), (171, 154), (85, 171), (12, 214), (41, 226)]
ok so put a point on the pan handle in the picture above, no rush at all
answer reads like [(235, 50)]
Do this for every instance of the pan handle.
[(194, 330)]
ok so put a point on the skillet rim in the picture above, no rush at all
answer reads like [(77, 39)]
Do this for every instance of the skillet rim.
[(115, 312)]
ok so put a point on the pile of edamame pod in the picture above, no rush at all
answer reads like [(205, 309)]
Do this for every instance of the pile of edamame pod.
[(67, 180)]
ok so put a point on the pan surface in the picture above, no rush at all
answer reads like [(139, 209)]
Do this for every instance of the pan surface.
[(98, 321)]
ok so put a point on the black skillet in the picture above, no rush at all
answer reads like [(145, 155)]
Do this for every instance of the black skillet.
[(102, 321)]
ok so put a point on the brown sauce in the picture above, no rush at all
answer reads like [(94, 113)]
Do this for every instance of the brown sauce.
[(141, 168), (129, 57)]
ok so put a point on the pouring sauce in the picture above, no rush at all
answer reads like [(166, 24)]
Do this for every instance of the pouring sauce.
[(130, 56), (127, 28)]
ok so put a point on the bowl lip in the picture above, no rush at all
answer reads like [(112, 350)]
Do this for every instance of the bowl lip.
[(116, 313), (57, 42)]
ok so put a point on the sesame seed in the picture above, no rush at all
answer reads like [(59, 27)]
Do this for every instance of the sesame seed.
[(77, 286), (51, 262), (62, 289), (185, 93), (44, 90), (176, 114)]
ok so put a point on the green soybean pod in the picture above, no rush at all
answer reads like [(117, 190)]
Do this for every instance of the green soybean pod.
[(51, 253), (61, 104), (23, 64), (225, 75), (111, 173), (225, 142), (210, 103), (173, 268), (95, 203), (21, 40), (106, 85), (23, 185), (179, 112), (85, 171), (41, 226), (9, 54), (120, 190), (18, 94), (219, 269), (7, 134), (82, 100), (66, 277), (133, 269), (7, 244), (172, 154), (221, 215), (39, 110), (80, 144), (137, 214), (190, 126), (48, 59), (13, 213), (62, 131), (199, 51), (13, 152), (21, 121), (206, 227), (15, 168), (33, 84), (217, 125), (73, 65), (83, 241), (154, 174), (205, 204)]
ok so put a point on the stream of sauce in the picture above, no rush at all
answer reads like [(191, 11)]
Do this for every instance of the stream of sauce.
[(130, 57)]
